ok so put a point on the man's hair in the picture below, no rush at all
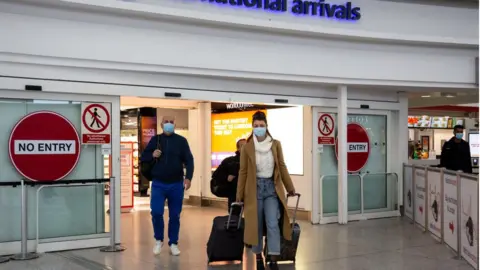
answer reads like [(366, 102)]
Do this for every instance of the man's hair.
[(458, 127)]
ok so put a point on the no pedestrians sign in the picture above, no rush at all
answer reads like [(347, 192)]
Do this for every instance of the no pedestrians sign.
[(44, 146), (96, 124)]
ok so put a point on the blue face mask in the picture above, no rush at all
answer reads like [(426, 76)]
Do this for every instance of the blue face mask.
[(459, 135), (260, 131), (168, 127)]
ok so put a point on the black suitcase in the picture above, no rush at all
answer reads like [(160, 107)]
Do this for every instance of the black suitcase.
[(288, 249), (226, 239)]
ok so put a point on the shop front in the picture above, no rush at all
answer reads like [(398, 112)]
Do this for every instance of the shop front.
[(355, 71)]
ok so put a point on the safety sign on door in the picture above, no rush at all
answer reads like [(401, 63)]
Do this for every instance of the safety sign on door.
[(326, 129), (96, 124)]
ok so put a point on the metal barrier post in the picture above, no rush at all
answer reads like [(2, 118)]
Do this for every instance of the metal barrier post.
[(113, 245), (459, 218), (425, 200), (24, 229), (442, 208), (414, 196)]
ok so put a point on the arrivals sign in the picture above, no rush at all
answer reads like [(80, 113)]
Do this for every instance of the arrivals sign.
[(407, 201), (469, 217), (44, 146), (450, 210), (434, 203), (420, 201), (317, 8)]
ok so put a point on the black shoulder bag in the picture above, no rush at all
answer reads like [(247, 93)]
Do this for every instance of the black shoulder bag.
[(147, 167)]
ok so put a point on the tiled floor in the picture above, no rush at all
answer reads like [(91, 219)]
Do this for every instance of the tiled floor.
[(385, 244)]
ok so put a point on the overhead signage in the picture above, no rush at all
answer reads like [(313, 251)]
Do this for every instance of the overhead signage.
[(326, 129), (358, 147), (44, 146), (96, 124), (320, 8)]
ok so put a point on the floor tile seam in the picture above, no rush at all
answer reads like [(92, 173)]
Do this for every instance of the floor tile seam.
[(84, 262)]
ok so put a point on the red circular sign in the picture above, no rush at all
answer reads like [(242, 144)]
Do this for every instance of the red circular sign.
[(325, 125), (44, 146), (91, 115), (358, 147)]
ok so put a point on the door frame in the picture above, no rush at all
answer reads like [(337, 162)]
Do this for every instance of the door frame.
[(317, 198), (85, 241)]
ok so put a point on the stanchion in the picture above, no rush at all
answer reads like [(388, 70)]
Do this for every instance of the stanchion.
[(459, 217), (113, 245), (24, 227)]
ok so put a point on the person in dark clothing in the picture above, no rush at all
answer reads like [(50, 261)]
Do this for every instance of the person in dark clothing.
[(233, 164), (456, 153), (171, 152)]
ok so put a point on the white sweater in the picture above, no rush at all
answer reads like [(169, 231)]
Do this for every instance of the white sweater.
[(264, 157)]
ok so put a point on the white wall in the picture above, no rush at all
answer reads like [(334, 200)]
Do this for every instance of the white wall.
[(138, 44)]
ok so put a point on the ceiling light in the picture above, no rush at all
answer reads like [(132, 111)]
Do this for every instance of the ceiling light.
[(449, 96), (426, 96)]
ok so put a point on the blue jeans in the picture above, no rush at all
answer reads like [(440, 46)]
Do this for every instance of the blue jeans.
[(173, 193), (268, 210)]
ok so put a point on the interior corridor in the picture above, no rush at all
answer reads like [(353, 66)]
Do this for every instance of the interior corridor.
[(375, 244)]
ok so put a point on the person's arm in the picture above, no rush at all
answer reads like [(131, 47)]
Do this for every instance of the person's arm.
[(242, 175), (286, 179), (468, 167), (443, 157), (188, 160), (147, 154)]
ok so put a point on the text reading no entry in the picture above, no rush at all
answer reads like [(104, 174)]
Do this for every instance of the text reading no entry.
[(45, 147), (357, 147)]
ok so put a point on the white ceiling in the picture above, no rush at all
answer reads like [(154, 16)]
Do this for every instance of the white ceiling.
[(137, 102)]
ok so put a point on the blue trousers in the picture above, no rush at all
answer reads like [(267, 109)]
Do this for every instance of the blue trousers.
[(268, 211), (173, 193)]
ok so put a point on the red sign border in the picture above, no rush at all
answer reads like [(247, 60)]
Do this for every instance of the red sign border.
[(369, 148), (30, 115), (107, 113), (333, 123)]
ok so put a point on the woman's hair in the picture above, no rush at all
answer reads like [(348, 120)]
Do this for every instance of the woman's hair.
[(259, 116)]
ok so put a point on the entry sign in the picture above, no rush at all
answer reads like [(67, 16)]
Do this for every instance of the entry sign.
[(326, 129), (44, 146), (96, 124), (358, 147)]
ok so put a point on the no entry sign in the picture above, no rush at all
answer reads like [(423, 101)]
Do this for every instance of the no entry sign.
[(326, 129), (96, 123), (44, 146), (358, 147)]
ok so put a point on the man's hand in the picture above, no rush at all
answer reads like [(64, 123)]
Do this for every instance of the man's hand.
[(157, 153), (187, 184), (230, 178), (291, 193)]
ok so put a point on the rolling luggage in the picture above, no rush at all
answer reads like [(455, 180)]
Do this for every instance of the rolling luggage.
[(226, 239), (288, 249)]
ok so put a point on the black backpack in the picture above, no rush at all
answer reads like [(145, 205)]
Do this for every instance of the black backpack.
[(219, 185)]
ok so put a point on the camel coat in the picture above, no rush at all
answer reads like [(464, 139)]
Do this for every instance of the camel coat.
[(247, 190)]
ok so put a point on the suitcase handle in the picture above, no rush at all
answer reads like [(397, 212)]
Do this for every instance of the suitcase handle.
[(298, 195), (230, 215)]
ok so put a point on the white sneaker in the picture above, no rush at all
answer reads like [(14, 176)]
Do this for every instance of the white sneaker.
[(158, 247), (174, 250)]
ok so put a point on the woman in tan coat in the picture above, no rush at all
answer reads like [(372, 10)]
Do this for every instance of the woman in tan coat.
[(261, 181)]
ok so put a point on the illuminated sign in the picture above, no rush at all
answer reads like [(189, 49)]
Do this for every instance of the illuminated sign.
[(319, 8)]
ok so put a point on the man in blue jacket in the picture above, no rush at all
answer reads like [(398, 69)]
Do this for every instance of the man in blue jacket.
[(171, 152)]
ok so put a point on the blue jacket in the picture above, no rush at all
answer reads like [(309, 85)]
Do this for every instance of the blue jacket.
[(175, 154)]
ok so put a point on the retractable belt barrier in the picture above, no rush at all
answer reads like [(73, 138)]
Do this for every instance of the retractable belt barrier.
[(445, 204), (24, 254)]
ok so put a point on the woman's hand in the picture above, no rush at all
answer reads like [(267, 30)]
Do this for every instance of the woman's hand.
[(292, 193)]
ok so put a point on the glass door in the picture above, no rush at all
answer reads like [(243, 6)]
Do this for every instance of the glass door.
[(369, 184)]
